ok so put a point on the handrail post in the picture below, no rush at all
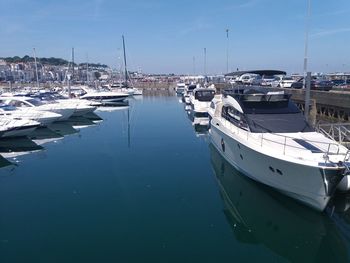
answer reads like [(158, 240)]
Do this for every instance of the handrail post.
[(284, 147), (262, 138)]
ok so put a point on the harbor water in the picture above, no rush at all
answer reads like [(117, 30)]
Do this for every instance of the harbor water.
[(143, 184)]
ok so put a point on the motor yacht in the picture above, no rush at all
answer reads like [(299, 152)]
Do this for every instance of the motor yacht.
[(44, 117), (201, 98), (266, 137), (65, 111), (16, 127), (188, 91), (180, 88), (104, 96), (81, 106), (262, 217)]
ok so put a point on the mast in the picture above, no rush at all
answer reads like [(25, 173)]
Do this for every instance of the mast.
[(126, 71), (72, 63), (36, 69), (227, 47), (87, 67)]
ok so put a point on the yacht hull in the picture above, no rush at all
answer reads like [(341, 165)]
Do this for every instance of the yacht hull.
[(310, 185)]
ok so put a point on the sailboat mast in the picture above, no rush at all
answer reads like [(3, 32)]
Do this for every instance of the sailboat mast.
[(126, 71), (36, 69)]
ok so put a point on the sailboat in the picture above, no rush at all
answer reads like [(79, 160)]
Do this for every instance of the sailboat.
[(126, 87)]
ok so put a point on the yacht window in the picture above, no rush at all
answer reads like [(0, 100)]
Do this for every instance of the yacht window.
[(204, 95), (18, 103), (235, 117), (35, 102)]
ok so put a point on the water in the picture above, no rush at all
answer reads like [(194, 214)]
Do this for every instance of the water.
[(144, 186)]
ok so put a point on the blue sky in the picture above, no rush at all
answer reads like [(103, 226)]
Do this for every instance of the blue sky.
[(163, 36)]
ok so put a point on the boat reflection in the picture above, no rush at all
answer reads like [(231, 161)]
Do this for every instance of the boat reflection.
[(44, 135), (80, 122), (14, 147), (93, 117), (62, 128), (116, 106), (200, 124), (260, 216), (4, 162)]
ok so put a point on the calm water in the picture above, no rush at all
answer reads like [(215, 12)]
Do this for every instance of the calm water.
[(143, 186)]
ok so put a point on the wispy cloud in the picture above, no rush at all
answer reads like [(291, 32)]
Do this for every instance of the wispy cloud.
[(97, 8), (323, 33), (197, 25), (243, 4), (334, 13)]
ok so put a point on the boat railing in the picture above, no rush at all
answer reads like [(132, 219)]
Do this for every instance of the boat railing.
[(325, 148)]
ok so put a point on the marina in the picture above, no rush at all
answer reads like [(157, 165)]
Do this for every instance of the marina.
[(143, 182), (168, 131)]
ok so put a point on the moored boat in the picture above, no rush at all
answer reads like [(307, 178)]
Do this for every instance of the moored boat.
[(265, 136)]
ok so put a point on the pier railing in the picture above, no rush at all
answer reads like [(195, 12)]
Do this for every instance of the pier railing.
[(339, 132), (286, 147)]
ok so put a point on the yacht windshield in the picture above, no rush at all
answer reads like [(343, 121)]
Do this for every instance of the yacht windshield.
[(272, 112), (278, 123), (204, 95), (35, 102)]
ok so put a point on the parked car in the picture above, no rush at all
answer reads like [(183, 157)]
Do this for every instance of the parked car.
[(316, 84), (286, 82), (267, 80), (250, 79), (340, 82)]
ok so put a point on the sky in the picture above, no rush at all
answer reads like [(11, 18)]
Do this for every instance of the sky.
[(165, 36)]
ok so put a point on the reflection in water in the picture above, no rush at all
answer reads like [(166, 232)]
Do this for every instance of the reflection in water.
[(200, 124), (13, 147), (44, 135), (93, 116), (62, 128), (116, 106), (80, 122), (259, 215), (4, 162)]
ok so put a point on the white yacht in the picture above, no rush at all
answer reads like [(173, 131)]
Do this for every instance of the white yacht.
[(81, 106), (131, 91), (22, 102), (44, 117), (180, 88), (105, 97), (188, 91), (265, 136), (16, 127), (201, 98)]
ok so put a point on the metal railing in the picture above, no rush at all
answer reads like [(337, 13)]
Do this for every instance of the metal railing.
[(284, 142), (339, 132)]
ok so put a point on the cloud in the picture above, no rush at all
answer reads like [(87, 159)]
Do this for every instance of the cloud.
[(244, 4), (97, 8), (333, 13), (329, 32), (197, 25)]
